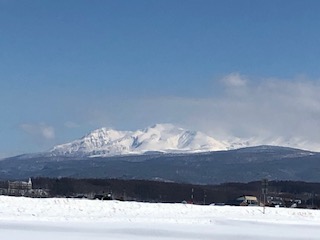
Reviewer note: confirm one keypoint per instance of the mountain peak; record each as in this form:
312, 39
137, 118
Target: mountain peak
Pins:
165, 138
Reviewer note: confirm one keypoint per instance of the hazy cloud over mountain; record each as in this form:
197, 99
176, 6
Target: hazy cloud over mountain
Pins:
39, 130
267, 109
270, 110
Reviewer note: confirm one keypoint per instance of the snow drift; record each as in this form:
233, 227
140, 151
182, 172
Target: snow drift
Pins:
78, 219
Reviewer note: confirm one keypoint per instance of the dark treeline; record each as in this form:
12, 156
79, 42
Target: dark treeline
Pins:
156, 191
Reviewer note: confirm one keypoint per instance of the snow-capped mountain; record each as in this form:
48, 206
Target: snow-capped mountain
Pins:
165, 138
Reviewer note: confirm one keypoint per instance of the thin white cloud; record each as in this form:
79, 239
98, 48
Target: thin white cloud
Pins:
234, 80
39, 130
70, 124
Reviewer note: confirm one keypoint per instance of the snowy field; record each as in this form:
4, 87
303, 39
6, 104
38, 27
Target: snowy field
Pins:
51, 219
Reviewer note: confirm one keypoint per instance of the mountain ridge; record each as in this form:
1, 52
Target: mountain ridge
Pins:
238, 165
165, 138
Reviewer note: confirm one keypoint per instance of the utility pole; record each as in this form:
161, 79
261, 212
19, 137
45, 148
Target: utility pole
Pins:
192, 191
264, 188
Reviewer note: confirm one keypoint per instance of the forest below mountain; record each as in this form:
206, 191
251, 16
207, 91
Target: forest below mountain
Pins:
156, 191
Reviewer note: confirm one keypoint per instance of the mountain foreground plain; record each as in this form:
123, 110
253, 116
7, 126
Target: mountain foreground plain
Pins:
61, 218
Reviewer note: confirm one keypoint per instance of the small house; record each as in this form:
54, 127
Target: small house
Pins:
248, 201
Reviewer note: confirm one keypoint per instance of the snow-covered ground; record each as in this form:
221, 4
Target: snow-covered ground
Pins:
57, 218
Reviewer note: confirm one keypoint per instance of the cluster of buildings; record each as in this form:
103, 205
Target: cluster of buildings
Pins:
270, 202
22, 188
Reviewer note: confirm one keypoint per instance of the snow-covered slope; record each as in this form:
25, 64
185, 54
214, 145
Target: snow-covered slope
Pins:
165, 138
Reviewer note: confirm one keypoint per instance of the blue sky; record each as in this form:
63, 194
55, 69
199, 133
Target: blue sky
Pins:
228, 68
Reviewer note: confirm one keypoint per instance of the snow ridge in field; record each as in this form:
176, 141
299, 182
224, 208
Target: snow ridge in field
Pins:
66, 209
79, 219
